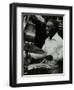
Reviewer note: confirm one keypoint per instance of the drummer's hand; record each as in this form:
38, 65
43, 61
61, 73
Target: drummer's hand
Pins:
40, 18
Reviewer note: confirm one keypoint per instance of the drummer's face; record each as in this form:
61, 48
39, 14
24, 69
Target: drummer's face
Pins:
49, 27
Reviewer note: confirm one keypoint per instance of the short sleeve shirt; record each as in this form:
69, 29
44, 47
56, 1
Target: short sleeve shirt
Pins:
54, 47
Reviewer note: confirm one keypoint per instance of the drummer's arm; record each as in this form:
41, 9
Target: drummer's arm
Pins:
37, 19
37, 56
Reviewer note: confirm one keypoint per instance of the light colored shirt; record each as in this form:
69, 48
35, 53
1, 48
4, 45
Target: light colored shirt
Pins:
54, 47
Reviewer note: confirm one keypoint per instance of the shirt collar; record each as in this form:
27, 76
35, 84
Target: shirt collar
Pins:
55, 37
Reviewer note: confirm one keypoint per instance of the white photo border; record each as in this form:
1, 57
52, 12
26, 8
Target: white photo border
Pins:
66, 27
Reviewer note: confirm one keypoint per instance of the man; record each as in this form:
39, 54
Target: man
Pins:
53, 46
53, 43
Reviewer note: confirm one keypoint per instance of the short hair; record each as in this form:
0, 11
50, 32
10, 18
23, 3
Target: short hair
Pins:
55, 24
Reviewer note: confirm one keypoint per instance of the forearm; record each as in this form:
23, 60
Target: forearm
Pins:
37, 56
37, 20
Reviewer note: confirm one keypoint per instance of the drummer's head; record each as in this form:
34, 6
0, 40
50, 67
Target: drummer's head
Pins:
51, 28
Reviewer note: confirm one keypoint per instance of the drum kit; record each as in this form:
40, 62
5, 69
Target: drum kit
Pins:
36, 53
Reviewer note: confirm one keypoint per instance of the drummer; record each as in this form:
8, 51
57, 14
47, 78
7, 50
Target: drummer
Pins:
53, 44
53, 47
